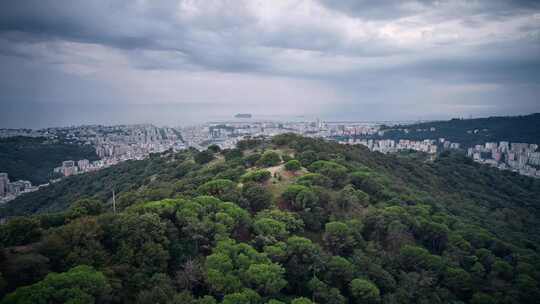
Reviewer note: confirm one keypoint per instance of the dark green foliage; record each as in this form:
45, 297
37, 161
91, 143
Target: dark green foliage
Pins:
81, 284
338, 238
19, 231
34, 159
293, 165
315, 179
258, 176
306, 158
493, 129
84, 207
223, 189
232, 267
363, 291
292, 191
204, 157
334, 171
214, 148
251, 160
361, 227
269, 159
256, 197
232, 154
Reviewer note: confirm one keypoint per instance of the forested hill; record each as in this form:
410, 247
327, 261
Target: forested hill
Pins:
291, 220
34, 159
469, 132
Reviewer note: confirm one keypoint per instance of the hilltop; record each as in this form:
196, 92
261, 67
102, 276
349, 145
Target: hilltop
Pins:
470, 132
287, 220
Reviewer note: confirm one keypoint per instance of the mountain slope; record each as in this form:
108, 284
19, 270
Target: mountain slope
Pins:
237, 226
34, 159
470, 132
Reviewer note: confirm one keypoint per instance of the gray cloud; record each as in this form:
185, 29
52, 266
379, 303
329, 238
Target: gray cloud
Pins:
313, 54
443, 9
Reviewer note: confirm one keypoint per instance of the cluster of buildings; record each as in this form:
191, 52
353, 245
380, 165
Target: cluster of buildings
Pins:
430, 146
10, 190
114, 144
392, 146
227, 134
70, 167
523, 158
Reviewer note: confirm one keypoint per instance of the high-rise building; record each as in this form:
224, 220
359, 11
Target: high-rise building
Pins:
83, 164
69, 168
4, 181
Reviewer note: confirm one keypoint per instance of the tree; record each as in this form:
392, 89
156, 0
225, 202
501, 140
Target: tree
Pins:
293, 165
267, 279
84, 207
232, 154
269, 159
233, 267
314, 179
413, 258
77, 243
457, 280
246, 296
338, 238
292, 191
339, 272
336, 172
20, 231
269, 230
24, 269
214, 148
258, 176
434, 235
303, 260
482, 298
322, 293
291, 220
367, 182
161, 290
503, 270
349, 197
363, 291
301, 301
251, 159
82, 284
306, 158
203, 157
256, 197
223, 189
305, 199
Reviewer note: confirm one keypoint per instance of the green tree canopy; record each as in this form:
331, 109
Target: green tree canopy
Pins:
82, 284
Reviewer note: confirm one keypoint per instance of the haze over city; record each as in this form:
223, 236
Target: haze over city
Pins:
179, 62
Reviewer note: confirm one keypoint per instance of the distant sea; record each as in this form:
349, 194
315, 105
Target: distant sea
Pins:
44, 115
39, 115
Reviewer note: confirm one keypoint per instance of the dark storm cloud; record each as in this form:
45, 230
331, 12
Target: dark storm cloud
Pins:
101, 22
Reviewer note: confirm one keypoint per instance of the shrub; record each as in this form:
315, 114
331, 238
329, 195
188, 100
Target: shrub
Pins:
293, 165
269, 159
258, 176
256, 197
364, 291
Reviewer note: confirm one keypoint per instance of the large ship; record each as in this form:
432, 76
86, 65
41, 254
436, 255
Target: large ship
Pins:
242, 115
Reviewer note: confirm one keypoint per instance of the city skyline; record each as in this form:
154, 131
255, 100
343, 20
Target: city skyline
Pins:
175, 62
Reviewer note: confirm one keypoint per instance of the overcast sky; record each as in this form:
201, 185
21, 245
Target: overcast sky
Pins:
125, 61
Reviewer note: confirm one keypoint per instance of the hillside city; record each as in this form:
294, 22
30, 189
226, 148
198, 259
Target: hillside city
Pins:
115, 144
